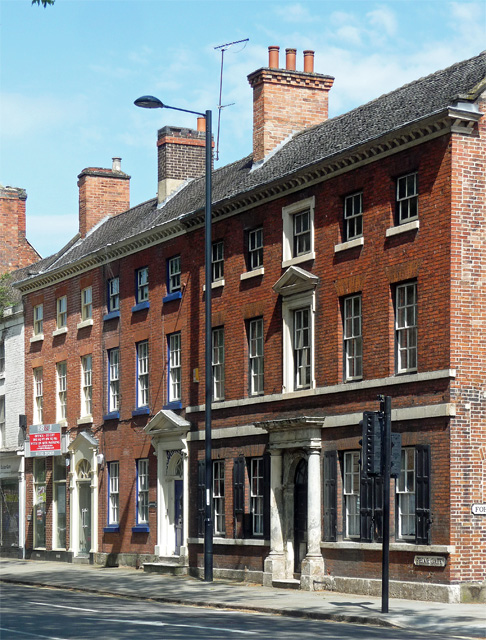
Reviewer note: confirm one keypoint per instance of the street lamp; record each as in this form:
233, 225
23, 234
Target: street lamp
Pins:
150, 102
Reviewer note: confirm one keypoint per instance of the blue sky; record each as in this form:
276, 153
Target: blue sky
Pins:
70, 74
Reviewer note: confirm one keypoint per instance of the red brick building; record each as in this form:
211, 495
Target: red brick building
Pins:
15, 250
348, 260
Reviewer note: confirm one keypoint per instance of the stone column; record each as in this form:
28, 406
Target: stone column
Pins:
275, 561
312, 568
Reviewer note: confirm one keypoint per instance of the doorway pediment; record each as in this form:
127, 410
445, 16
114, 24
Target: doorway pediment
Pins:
167, 424
295, 280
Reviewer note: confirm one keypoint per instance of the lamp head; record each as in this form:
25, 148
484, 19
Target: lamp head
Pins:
149, 102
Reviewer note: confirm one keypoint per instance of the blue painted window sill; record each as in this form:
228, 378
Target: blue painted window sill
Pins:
141, 528
173, 405
177, 295
113, 415
141, 305
111, 315
141, 411
112, 528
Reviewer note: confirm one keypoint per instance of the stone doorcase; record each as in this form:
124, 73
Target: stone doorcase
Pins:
290, 441
83, 485
169, 439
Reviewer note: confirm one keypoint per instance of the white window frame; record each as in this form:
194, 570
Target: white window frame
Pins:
256, 356
256, 495
406, 327
38, 376
174, 274
86, 303
2, 422
61, 383
405, 489
353, 337
39, 473
407, 198
218, 498
142, 285
288, 213
61, 312
353, 216
289, 305
217, 261
175, 367
2, 357
113, 379
86, 385
114, 493
114, 294
255, 249
142, 374
217, 351
302, 347
142, 491
38, 319
351, 490
59, 484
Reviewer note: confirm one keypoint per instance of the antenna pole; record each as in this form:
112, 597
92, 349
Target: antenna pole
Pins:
223, 48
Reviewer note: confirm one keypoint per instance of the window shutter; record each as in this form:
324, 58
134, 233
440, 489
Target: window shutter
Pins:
201, 496
422, 494
239, 484
330, 496
378, 508
366, 508
266, 496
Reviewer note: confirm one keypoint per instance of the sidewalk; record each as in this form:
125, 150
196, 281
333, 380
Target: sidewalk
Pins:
446, 620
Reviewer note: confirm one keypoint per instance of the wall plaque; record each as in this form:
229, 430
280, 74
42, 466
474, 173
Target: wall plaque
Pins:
429, 561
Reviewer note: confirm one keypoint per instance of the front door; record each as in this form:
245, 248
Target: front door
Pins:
300, 514
84, 493
178, 504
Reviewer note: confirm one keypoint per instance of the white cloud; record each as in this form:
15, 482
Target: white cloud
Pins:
22, 114
348, 35
383, 20
295, 13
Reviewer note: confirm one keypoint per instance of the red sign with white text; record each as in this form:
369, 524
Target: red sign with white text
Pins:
45, 438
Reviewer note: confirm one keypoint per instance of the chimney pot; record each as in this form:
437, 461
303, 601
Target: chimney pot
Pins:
285, 103
290, 59
273, 54
201, 123
116, 164
308, 61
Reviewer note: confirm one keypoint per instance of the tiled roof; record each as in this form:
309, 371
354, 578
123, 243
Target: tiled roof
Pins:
412, 102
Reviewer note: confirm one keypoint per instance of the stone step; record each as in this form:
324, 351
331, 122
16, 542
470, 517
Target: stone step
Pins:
290, 583
167, 566
81, 560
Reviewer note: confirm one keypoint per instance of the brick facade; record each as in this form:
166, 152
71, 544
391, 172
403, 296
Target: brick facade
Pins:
437, 401
15, 250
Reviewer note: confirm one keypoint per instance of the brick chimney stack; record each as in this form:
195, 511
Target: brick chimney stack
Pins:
15, 250
102, 193
181, 155
285, 100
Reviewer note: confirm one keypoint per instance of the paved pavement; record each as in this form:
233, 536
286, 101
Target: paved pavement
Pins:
445, 620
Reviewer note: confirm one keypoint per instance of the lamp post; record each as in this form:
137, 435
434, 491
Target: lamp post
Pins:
150, 102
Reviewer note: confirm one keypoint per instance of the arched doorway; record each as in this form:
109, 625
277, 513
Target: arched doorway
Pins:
300, 514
